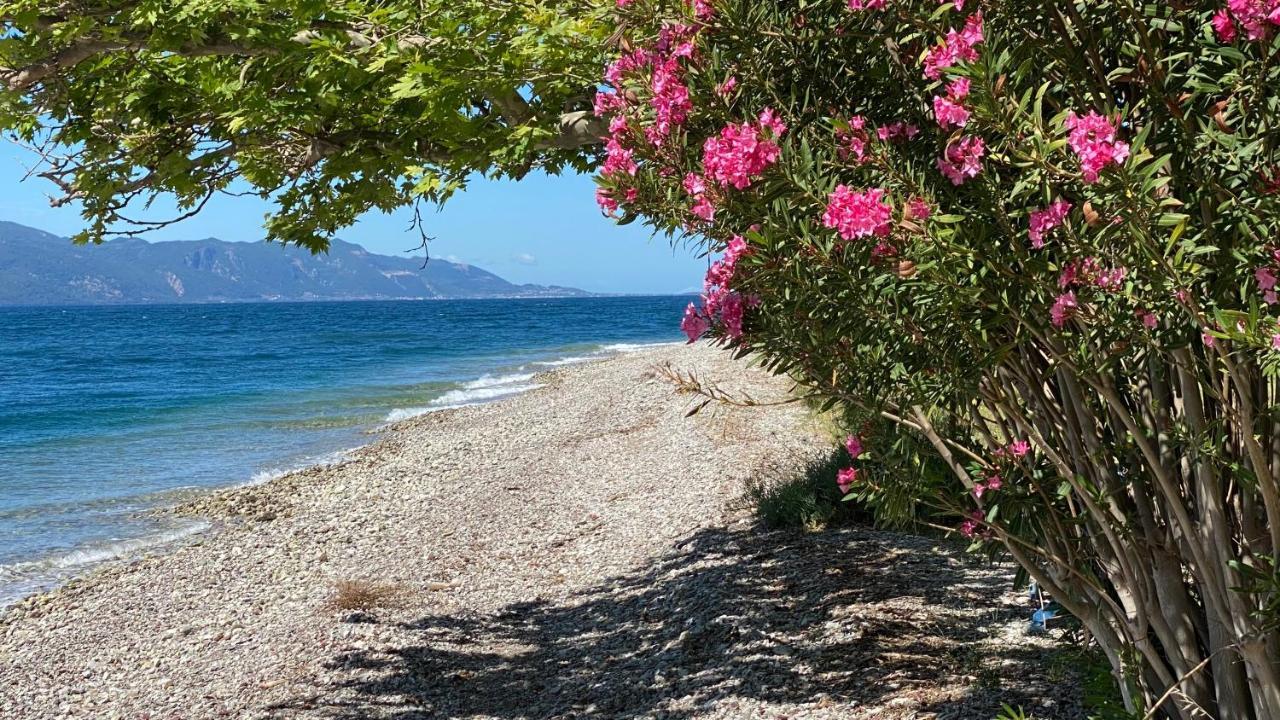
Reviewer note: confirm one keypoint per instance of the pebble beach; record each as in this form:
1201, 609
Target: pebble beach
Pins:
582, 550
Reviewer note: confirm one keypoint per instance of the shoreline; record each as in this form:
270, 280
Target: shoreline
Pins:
581, 550
51, 571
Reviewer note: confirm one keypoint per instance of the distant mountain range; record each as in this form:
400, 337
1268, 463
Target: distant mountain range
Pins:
38, 268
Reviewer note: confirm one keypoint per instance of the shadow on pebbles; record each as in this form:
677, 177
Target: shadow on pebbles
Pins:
575, 552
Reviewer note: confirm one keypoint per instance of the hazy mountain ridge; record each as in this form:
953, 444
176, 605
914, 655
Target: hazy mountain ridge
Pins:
39, 268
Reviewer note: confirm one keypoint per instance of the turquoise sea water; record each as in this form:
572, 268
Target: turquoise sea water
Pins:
106, 412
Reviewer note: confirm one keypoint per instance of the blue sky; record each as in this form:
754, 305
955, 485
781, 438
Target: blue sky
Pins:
542, 229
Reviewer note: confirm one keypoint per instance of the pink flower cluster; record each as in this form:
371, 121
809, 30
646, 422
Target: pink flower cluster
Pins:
1267, 278
1255, 16
972, 525
990, 483
1089, 271
718, 301
702, 206
671, 102
957, 47
846, 477
896, 132
858, 214
853, 142
1093, 138
743, 152
1064, 308
702, 9
1080, 273
1044, 221
949, 109
962, 160
866, 4
609, 204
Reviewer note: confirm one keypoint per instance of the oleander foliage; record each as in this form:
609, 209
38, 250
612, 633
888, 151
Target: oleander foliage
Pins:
1032, 244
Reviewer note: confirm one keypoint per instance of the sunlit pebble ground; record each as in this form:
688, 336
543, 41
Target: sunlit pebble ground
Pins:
580, 551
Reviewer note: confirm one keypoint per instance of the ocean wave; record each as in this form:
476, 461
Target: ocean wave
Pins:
470, 396
571, 360
636, 347
263, 477
23, 578
488, 381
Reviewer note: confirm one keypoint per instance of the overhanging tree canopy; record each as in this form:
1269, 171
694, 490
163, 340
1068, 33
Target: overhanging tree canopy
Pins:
330, 108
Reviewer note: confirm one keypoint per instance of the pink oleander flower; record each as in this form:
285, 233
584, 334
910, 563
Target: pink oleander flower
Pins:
1111, 279
897, 132
858, 214
1208, 339
854, 445
1269, 297
866, 4
994, 483
1148, 318
1255, 16
918, 209
720, 273
671, 103
607, 102
962, 159
694, 184
949, 112
731, 311
1266, 278
1224, 27
1275, 341
725, 88
742, 152
1043, 221
694, 324
771, 122
701, 9
608, 205
845, 479
958, 89
624, 3
956, 48
1019, 448
854, 141
627, 63
972, 524
703, 208
618, 159
1093, 138
1064, 308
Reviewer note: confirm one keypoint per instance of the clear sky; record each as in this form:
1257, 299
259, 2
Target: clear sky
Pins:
544, 230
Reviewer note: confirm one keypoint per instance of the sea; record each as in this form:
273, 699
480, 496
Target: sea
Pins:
110, 412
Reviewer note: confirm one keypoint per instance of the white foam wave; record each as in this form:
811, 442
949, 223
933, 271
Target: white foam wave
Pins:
635, 347
471, 393
263, 477
29, 576
470, 396
488, 381
571, 360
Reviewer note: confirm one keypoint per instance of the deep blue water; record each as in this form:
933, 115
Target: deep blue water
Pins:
108, 411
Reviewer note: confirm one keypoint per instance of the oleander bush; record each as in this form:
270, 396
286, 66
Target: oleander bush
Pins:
1029, 250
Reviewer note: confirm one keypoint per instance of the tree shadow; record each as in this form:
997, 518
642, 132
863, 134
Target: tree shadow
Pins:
850, 623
